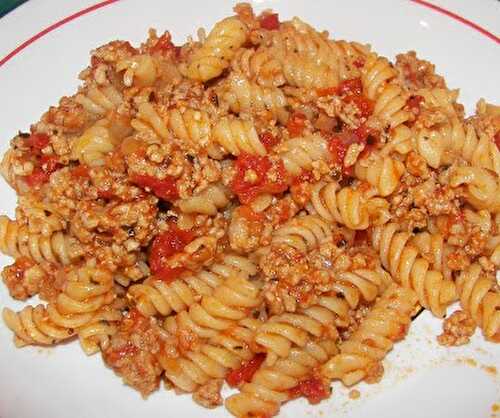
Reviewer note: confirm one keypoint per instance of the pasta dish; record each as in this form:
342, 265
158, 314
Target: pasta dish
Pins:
264, 207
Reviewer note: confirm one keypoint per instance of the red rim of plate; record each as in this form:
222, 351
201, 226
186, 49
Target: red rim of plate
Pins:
102, 4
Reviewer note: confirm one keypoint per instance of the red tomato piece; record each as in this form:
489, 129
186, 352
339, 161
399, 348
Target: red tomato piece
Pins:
37, 178
270, 21
338, 149
245, 372
80, 171
328, 91
313, 389
165, 245
168, 274
497, 140
296, 124
260, 167
105, 194
359, 62
38, 141
360, 238
248, 213
164, 44
414, 104
364, 104
49, 163
305, 176
165, 189
352, 86
269, 140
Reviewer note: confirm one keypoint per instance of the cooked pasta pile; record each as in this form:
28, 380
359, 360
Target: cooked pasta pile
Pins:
266, 207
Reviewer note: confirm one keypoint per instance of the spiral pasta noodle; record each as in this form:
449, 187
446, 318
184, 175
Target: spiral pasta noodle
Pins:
300, 153
270, 385
410, 270
386, 323
347, 206
16, 241
150, 122
478, 298
383, 172
303, 233
207, 202
191, 126
245, 96
260, 65
139, 70
433, 247
481, 185
219, 311
217, 51
81, 305
155, 296
213, 359
237, 136
389, 97
299, 71
283, 332
99, 100
92, 147
301, 38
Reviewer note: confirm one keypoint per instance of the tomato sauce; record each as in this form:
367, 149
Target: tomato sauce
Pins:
296, 124
314, 390
270, 21
164, 246
245, 372
261, 168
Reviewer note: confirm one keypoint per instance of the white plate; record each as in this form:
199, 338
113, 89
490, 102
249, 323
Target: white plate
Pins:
422, 378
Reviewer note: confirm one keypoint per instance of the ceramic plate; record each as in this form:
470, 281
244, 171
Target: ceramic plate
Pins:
422, 378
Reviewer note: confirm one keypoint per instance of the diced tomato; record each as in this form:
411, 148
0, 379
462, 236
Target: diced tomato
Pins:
362, 133
497, 139
360, 237
339, 143
36, 178
305, 176
49, 163
165, 189
38, 141
364, 104
245, 372
105, 194
414, 103
338, 148
352, 86
313, 389
164, 44
270, 21
165, 245
261, 168
283, 211
269, 140
296, 124
328, 91
359, 62
135, 315
80, 171
169, 274
248, 213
